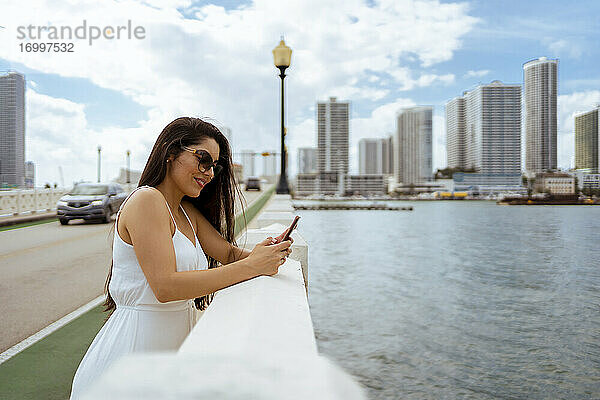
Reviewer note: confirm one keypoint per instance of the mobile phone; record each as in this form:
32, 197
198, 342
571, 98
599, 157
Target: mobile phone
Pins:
291, 228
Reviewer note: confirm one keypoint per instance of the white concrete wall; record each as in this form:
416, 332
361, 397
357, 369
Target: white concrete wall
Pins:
15, 202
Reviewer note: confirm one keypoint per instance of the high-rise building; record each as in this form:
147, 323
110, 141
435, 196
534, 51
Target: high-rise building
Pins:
388, 156
456, 147
540, 78
307, 160
413, 146
374, 156
12, 129
587, 140
29, 175
493, 129
333, 136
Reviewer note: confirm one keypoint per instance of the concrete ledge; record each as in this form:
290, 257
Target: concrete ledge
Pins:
268, 217
258, 376
267, 313
252, 237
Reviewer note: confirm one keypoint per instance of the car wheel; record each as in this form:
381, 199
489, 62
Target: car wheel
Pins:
63, 221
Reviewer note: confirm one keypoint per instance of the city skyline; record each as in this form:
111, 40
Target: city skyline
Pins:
104, 95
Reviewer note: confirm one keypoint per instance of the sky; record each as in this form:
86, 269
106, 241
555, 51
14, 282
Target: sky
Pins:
213, 60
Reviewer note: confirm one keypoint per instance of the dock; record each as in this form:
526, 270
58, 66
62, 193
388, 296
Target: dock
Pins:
331, 206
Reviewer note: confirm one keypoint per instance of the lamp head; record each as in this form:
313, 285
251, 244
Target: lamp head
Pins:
282, 55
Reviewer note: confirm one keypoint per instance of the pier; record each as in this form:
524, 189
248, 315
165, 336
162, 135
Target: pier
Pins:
342, 206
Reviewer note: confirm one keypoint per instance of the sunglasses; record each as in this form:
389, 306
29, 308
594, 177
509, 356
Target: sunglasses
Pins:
205, 161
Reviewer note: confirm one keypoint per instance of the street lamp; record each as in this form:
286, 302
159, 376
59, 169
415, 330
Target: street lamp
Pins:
99, 150
128, 177
282, 55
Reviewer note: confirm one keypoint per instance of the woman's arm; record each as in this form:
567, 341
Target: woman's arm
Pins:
236, 254
147, 223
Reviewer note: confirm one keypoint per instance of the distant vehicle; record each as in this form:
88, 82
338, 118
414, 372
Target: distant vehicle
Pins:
90, 201
253, 183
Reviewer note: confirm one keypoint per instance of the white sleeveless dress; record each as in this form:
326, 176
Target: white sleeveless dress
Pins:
140, 322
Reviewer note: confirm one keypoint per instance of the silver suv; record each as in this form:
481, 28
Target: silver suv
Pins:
90, 201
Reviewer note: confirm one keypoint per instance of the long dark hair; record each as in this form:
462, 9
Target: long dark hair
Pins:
216, 200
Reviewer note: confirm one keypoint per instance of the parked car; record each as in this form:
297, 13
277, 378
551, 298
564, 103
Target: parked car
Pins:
253, 183
90, 201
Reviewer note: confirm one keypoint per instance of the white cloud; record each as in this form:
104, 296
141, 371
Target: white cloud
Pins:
220, 65
477, 74
404, 77
562, 47
568, 106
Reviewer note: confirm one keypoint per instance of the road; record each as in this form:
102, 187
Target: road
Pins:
49, 270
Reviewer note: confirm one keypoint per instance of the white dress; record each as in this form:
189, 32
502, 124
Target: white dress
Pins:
140, 323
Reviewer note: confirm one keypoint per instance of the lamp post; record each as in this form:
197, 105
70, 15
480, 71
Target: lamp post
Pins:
128, 177
99, 151
282, 55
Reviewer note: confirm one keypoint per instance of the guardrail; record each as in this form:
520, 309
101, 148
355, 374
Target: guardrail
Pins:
18, 202
255, 340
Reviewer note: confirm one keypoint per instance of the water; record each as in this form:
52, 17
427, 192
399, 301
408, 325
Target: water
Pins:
459, 299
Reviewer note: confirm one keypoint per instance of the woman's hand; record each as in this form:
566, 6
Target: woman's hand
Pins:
279, 238
267, 256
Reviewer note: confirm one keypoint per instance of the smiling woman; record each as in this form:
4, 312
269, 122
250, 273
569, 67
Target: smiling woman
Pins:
170, 234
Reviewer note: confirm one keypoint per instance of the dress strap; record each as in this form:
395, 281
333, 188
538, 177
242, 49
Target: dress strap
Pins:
192, 225
169, 208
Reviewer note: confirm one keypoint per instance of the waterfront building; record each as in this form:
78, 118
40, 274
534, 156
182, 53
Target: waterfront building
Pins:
555, 183
374, 156
366, 184
489, 121
29, 175
333, 135
540, 78
488, 184
12, 129
334, 184
456, 134
413, 146
307, 160
333, 140
493, 120
587, 135
591, 181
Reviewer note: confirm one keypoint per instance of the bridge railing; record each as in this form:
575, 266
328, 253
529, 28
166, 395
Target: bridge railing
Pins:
255, 340
30, 201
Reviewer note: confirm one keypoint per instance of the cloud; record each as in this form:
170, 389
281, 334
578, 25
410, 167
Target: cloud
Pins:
562, 47
568, 106
476, 74
57, 134
219, 64
404, 77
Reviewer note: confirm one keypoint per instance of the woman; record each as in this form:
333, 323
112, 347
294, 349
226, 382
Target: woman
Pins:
170, 234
